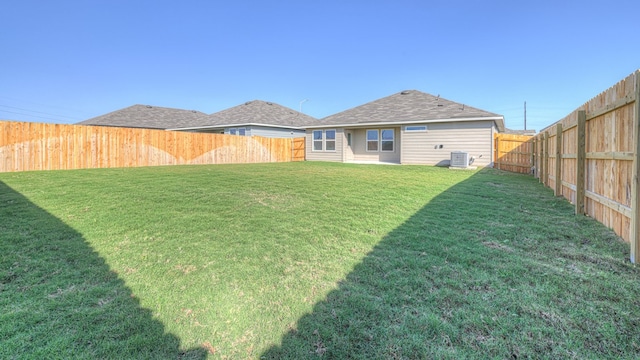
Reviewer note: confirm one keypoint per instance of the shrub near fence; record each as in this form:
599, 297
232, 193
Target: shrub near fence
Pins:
33, 146
590, 158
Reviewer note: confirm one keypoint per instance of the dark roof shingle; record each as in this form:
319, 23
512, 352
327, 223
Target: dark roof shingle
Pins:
405, 106
150, 117
257, 112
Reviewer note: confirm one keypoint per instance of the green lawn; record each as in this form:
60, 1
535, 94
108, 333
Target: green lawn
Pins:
307, 260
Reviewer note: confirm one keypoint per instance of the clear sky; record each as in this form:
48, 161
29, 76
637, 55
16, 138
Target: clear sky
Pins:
65, 61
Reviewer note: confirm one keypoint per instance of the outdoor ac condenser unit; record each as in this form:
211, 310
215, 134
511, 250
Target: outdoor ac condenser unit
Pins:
459, 159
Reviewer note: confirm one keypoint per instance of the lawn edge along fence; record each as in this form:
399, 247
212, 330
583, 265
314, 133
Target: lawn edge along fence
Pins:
28, 146
590, 157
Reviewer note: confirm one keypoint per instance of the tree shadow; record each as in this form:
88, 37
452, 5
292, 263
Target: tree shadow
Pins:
460, 279
59, 298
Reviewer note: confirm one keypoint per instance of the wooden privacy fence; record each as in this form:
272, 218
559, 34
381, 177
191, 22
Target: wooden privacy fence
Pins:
297, 150
513, 153
33, 146
591, 158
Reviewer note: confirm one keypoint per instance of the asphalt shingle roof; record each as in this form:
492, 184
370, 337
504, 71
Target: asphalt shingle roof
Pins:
402, 107
258, 112
405, 106
150, 117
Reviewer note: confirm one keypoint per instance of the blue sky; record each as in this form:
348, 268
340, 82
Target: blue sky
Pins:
66, 61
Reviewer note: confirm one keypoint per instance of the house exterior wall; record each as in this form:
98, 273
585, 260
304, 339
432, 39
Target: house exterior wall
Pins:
206, 131
263, 131
324, 155
247, 130
359, 146
474, 137
272, 132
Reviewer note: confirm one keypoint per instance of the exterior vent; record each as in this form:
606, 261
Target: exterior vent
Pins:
459, 159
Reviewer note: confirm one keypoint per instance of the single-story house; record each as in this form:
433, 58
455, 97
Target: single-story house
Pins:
147, 117
409, 127
257, 117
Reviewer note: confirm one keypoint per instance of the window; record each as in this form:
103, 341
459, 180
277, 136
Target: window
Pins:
349, 139
330, 140
372, 140
387, 140
317, 140
324, 140
238, 131
416, 128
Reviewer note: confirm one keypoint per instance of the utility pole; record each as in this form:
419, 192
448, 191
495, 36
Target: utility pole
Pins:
525, 115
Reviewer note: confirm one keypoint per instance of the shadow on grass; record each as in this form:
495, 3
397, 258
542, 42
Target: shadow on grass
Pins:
59, 299
494, 267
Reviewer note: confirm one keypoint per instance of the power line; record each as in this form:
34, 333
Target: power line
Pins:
45, 105
40, 112
40, 117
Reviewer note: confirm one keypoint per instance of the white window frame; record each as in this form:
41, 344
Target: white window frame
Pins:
417, 128
376, 141
324, 141
327, 140
233, 131
393, 140
314, 140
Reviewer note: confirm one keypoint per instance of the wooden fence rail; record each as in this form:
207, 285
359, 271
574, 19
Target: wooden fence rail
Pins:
591, 158
33, 146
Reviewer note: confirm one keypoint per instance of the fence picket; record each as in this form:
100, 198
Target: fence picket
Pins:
31, 146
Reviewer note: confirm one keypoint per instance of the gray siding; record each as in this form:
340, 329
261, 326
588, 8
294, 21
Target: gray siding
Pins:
264, 131
206, 131
476, 138
336, 155
272, 132
227, 131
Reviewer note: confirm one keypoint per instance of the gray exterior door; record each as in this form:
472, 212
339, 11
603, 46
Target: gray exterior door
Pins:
348, 149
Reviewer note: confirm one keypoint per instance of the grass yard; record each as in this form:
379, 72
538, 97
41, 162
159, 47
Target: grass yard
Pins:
307, 260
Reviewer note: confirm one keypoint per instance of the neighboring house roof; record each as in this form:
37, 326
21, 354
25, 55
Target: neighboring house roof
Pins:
256, 113
146, 116
410, 106
520, 132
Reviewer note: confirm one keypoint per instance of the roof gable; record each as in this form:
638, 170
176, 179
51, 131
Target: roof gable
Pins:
146, 116
406, 106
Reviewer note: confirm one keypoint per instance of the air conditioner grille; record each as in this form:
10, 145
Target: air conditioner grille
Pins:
459, 159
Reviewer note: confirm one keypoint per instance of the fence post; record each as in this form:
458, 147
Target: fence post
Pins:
558, 189
634, 233
581, 162
532, 144
540, 160
498, 152
538, 157
545, 181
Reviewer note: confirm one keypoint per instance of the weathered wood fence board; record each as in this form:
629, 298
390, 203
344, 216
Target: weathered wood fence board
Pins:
33, 146
591, 158
298, 153
513, 153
